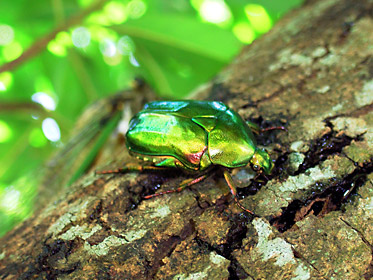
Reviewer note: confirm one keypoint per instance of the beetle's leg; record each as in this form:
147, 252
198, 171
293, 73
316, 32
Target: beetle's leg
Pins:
232, 187
273, 128
131, 167
258, 174
183, 185
257, 130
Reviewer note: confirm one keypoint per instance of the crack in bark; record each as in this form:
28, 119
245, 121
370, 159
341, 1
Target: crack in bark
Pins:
369, 272
330, 199
166, 247
234, 241
275, 94
358, 231
347, 26
300, 256
234, 269
235, 237
358, 112
329, 144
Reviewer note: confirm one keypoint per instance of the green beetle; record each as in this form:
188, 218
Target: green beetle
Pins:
194, 136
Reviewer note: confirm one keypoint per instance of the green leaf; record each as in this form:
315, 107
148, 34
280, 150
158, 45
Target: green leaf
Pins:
178, 52
185, 33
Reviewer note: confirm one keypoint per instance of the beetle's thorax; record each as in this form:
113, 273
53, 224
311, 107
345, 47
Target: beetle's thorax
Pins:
231, 142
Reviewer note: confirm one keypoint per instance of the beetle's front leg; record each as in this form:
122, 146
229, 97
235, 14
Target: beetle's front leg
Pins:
183, 185
233, 189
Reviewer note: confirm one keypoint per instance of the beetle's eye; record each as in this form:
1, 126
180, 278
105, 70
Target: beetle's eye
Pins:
256, 167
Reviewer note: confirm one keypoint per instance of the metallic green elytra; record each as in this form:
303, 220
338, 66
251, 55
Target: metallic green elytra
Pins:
194, 135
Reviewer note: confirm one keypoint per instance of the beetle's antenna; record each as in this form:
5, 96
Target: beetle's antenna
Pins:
257, 129
232, 187
274, 128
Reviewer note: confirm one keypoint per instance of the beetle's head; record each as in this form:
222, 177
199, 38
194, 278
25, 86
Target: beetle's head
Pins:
261, 161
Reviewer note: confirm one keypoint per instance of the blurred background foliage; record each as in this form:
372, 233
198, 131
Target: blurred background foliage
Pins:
58, 56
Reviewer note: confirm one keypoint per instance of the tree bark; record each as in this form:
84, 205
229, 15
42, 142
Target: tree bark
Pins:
313, 73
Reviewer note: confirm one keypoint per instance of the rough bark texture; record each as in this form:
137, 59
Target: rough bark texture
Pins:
314, 73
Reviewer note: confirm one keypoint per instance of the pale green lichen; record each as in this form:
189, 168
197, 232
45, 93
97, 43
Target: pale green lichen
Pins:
319, 52
217, 259
263, 228
152, 213
288, 58
272, 248
62, 222
299, 59
313, 127
192, 276
337, 107
105, 246
295, 160
365, 97
366, 205
330, 60
161, 212
301, 273
323, 89
351, 126
133, 230
369, 136
135, 234
278, 249
299, 146
83, 232
2, 255
304, 181
75, 212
